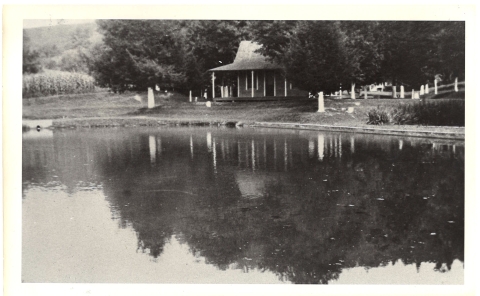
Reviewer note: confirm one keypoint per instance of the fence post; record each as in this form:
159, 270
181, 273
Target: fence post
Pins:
413, 94
394, 91
151, 99
321, 106
190, 97
352, 94
402, 92
422, 90
436, 88
426, 89
456, 84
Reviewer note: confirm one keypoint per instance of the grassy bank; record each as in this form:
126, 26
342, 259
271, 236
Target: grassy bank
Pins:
116, 106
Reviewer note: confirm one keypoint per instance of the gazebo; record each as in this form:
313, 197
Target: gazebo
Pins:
251, 76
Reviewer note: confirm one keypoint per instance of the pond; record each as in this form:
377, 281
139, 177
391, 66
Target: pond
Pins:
226, 205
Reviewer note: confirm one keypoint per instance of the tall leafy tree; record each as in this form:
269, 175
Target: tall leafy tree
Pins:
140, 52
315, 58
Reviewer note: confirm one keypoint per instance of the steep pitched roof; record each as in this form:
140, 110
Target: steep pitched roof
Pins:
248, 59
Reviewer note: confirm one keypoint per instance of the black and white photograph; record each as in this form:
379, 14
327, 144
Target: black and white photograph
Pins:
239, 149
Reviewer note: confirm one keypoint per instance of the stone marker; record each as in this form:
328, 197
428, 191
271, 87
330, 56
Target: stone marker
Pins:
413, 94
190, 97
402, 92
195, 99
426, 88
137, 98
422, 90
208, 104
151, 99
436, 88
417, 95
157, 88
321, 105
365, 93
353, 91
394, 91
350, 109
456, 84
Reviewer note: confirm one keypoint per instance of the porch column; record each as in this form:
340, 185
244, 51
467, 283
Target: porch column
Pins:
264, 83
253, 85
274, 84
285, 86
222, 89
213, 85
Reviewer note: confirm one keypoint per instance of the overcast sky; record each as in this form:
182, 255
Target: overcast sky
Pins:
52, 22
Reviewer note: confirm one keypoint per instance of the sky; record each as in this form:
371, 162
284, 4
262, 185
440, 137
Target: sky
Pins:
53, 22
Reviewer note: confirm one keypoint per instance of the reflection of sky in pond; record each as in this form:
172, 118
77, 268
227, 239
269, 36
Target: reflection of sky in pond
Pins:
241, 206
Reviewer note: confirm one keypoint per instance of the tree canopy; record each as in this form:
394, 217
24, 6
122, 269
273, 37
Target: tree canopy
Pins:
315, 55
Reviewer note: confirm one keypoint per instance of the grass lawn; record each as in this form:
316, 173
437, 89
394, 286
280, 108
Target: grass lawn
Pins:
177, 107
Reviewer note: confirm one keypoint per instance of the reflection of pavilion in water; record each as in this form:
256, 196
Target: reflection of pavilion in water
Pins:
148, 172
258, 152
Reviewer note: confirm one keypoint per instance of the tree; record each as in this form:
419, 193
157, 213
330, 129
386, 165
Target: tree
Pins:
363, 52
315, 58
31, 63
139, 52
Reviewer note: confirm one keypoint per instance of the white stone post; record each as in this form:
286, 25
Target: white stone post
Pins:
456, 84
190, 97
413, 94
394, 91
238, 85
436, 87
321, 106
426, 89
422, 90
402, 92
213, 85
352, 94
365, 93
151, 98
285, 86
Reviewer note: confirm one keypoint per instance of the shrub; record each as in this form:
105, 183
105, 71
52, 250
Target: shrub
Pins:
378, 116
439, 113
56, 83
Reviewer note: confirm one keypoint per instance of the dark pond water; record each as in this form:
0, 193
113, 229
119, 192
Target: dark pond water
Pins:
198, 205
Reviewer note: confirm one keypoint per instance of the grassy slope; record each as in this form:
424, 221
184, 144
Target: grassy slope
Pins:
103, 104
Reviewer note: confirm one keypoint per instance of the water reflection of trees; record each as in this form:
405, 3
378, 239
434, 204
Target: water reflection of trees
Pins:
313, 204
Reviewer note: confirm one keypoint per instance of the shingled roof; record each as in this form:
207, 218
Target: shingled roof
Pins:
248, 59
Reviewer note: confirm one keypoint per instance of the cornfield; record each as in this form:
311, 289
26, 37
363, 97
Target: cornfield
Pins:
56, 83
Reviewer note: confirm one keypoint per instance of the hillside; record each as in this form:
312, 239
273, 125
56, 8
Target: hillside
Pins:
62, 36
63, 47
